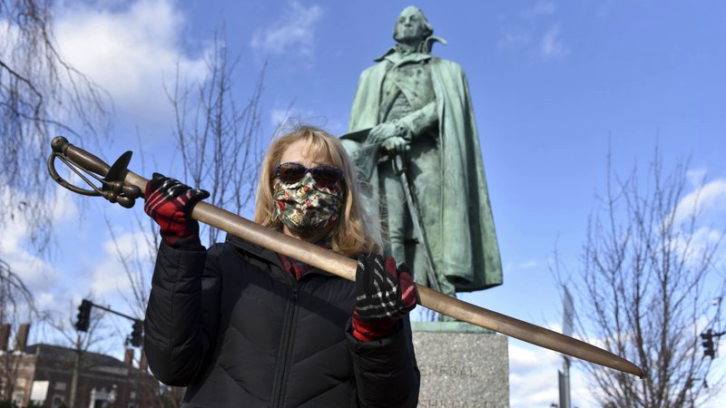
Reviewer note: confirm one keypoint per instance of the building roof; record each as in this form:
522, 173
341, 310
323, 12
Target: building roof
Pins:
60, 354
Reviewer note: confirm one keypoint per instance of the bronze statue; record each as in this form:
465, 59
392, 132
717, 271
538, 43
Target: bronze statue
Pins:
413, 137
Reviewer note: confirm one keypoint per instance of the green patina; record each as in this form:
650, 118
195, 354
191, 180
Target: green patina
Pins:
418, 106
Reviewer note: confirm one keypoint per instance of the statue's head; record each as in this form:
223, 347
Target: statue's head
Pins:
412, 26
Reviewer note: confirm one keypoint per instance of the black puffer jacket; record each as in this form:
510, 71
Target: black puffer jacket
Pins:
236, 329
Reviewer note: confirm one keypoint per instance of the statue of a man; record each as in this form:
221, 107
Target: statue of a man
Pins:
419, 113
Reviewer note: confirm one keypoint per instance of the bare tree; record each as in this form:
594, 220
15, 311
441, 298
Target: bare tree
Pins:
15, 300
80, 342
15, 297
218, 141
644, 289
9, 366
219, 145
40, 95
221, 153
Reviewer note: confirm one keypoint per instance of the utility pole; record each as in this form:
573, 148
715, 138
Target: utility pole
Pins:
564, 382
76, 366
563, 376
138, 381
82, 324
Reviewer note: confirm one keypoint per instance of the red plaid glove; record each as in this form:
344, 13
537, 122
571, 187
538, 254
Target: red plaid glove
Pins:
170, 203
384, 295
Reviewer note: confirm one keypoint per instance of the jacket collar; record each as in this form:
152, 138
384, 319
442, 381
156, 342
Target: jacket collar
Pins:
254, 250
265, 254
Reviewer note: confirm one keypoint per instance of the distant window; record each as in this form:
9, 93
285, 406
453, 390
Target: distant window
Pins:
21, 382
60, 386
132, 395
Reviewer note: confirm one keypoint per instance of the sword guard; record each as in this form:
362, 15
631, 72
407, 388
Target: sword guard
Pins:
112, 186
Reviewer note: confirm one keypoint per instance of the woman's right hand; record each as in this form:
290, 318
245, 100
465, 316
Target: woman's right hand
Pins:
169, 202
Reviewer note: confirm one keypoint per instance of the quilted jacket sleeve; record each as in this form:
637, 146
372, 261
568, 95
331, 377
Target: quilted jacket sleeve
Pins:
386, 371
182, 316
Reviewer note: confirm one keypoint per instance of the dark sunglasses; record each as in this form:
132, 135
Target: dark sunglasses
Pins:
324, 174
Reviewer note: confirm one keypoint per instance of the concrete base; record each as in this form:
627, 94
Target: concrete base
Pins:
468, 368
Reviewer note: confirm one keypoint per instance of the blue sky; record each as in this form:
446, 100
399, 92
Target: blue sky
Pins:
555, 85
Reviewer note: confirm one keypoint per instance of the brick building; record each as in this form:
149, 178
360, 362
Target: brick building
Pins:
43, 374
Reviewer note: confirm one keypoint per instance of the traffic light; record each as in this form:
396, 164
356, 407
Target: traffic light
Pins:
137, 333
84, 315
707, 342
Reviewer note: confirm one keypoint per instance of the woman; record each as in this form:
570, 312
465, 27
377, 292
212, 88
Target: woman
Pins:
243, 326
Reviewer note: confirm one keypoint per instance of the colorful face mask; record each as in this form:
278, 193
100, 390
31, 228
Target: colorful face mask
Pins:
305, 205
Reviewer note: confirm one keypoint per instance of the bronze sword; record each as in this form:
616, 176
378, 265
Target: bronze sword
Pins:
125, 186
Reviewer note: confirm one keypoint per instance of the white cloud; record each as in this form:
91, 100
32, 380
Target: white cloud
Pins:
513, 39
696, 177
520, 266
46, 301
36, 273
551, 45
695, 248
524, 34
292, 34
707, 201
532, 375
290, 115
525, 358
129, 51
109, 277
541, 8
604, 8
280, 117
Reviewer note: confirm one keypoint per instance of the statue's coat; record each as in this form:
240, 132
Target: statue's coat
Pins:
470, 253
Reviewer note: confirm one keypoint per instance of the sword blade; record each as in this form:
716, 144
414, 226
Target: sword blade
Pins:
524, 331
345, 267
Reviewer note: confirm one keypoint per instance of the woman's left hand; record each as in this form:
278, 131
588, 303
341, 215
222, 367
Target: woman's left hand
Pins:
384, 292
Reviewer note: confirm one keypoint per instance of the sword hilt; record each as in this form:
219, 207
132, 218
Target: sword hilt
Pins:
80, 161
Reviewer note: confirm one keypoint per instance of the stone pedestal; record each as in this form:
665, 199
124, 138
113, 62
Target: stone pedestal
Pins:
462, 366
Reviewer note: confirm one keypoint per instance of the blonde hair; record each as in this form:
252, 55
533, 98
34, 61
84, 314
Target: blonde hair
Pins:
350, 235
